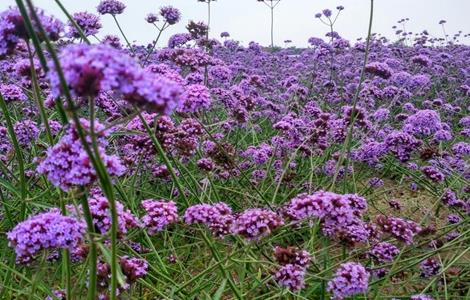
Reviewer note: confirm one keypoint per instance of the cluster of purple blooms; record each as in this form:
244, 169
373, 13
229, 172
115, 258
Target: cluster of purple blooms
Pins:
49, 230
101, 216
170, 14
350, 279
93, 69
403, 118
67, 163
112, 7
159, 214
384, 252
255, 223
195, 98
26, 132
252, 224
430, 267
12, 93
88, 23
13, 29
133, 269
340, 215
217, 217
401, 229
294, 263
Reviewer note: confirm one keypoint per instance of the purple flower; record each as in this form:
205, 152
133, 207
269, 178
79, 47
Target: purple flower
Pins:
112, 41
292, 255
112, 7
133, 268
376, 182
101, 215
89, 23
379, 69
423, 122
433, 173
430, 267
401, 144
11, 92
13, 29
218, 217
206, 164
178, 40
422, 60
255, 223
421, 297
58, 295
401, 229
196, 97
155, 93
327, 13
384, 252
305, 206
159, 214
90, 69
449, 198
442, 135
67, 164
453, 219
49, 230
170, 14
26, 132
291, 276
350, 279
461, 149
151, 18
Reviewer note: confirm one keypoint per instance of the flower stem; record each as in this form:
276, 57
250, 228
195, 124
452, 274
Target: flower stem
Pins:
345, 153
18, 154
93, 253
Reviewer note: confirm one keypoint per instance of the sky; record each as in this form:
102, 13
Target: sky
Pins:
249, 20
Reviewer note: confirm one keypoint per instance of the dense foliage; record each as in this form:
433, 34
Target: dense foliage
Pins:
209, 170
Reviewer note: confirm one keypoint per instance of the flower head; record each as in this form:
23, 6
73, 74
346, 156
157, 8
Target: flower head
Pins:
89, 24
350, 279
159, 214
112, 7
49, 230
291, 276
170, 14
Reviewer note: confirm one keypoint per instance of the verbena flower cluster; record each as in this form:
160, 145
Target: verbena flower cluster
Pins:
217, 150
67, 163
294, 264
350, 279
159, 214
49, 230
101, 216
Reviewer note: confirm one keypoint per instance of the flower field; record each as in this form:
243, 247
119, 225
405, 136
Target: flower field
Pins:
201, 168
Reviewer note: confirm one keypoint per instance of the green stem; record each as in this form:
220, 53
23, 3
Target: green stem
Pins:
38, 98
98, 165
66, 258
18, 154
347, 142
164, 157
73, 22
93, 279
154, 44
123, 35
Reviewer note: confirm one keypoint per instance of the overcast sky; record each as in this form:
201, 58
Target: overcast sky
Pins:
249, 20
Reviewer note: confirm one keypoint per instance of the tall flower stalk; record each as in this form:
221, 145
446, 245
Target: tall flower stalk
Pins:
271, 4
345, 153
95, 159
208, 2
